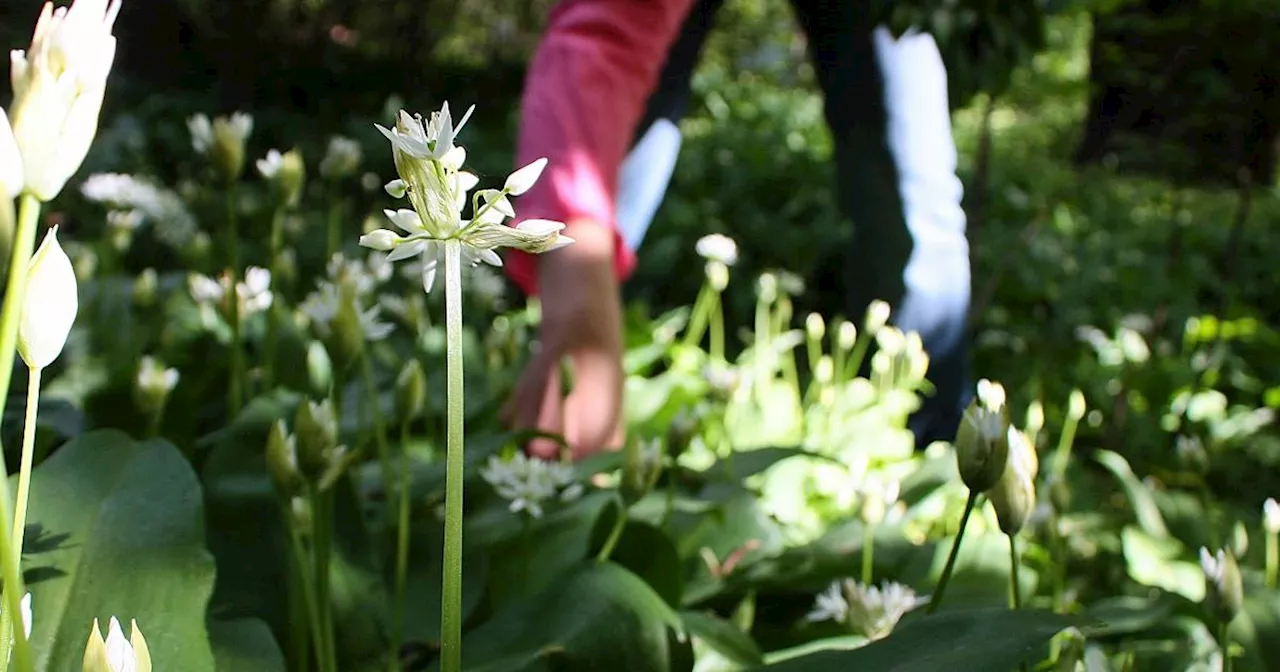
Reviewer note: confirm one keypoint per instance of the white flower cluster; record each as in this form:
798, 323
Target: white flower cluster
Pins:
253, 293
529, 483
322, 305
144, 200
869, 610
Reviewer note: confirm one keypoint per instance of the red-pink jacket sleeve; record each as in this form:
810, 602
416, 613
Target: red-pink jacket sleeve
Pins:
586, 90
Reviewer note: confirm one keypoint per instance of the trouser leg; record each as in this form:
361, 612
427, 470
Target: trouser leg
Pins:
886, 104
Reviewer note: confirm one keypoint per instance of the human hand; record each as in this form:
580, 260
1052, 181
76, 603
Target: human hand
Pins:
581, 321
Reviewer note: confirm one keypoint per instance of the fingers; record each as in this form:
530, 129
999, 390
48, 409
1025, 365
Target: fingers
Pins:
538, 404
592, 413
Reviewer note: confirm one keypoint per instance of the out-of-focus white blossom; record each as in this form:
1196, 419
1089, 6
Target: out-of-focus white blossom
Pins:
341, 159
253, 293
867, 610
174, 224
50, 305
718, 247
529, 483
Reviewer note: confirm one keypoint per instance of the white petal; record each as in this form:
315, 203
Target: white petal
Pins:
489, 257
407, 250
540, 227
120, 656
428, 277
381, 240
10, 159
522, 180
406, 220
396, 188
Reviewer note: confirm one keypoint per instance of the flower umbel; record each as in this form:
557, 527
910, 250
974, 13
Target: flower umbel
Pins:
868, 610
530, 483
431, 176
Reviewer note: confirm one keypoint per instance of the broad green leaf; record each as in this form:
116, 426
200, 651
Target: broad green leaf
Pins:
723, 636
1128, 614
134, 519
970, 640
646, 551
244, 644
1144, 505
599, 616
1156, 562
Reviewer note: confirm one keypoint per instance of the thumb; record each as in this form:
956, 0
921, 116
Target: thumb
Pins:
593, 411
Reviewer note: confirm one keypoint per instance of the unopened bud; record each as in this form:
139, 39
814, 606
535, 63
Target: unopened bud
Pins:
411, 391
282, 461
1271, 516
1223, 586
846, 335
640, 470
300, 517
144, 288
341, 159
1014, 494
877, 316
227, 151
153, 385
1076, 405
982, 445
346, 344
316, 428
287, 173
319, 369
767, 287
49, 306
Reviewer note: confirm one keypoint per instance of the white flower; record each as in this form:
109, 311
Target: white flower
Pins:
201, 130
117, 654
1271, 516
718, 247
10, 159
174, 224
528, 484
154, 377
254, 292
830, 605
270, 166
50, 305
204, 289
58, 85
341, 159
873, 611
431, 175
322, 306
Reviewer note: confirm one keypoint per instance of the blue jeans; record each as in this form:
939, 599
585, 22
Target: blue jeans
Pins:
886, 105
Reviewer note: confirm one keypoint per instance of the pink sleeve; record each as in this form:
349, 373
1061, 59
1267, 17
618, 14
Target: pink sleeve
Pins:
586, 90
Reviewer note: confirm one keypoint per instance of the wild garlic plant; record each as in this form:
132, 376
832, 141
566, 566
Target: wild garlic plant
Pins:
429, 165
58, 86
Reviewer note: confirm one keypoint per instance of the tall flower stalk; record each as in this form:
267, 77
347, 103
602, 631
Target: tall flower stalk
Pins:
430, 168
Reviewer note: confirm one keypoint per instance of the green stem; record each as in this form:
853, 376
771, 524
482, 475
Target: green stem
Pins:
955, 551
273, 318
698, 317
1015, 585
868, 552
717, 330
235, 392
402, 544
615, 534
335, 227
306, 578
10, 316
1273, 559
1224, 641
28, 458
379, 426
451, 603
1064, 446
859, 352
322, 515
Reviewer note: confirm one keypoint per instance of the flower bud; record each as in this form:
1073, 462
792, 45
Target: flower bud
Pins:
144, 288
1076, 405
982, 442
287, 173
50, 305
319, 369
1271, 516
642, 465
1223, 586
316, 428
153, 385
282, 460
346, 338
1014, 494
846, 335
411, 391
227, 150
717, 247
116, 654
300, 517
341, 159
